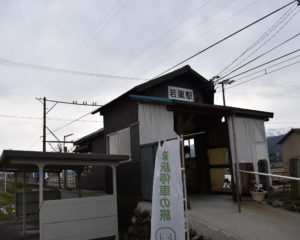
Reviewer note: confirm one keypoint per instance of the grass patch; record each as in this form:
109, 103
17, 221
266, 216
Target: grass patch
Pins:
283, 200
7, 208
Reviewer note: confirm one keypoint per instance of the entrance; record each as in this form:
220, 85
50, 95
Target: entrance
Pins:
220, 176
207, 157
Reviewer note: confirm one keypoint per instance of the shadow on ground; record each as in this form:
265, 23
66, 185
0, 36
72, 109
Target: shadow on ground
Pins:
10, 230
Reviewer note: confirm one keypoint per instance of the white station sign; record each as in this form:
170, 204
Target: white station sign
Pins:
182, 94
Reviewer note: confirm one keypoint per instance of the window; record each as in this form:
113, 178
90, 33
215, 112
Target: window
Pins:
189, 148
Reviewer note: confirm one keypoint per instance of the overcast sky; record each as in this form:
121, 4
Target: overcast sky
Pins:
140, 39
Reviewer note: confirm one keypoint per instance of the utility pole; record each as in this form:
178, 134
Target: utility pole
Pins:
66, 171
44, 124
223, 93
64, 142
226, 81
44, 101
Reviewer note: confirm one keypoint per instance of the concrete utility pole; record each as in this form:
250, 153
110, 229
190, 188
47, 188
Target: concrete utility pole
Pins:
227, 81
44, 101
223, 93
44, 124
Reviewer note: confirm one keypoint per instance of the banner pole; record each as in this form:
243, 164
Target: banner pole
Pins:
184, 189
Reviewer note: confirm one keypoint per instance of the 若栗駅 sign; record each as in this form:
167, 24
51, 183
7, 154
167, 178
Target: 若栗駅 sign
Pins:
182, 94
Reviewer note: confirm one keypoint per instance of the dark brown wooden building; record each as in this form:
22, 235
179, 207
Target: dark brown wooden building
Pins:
180, 102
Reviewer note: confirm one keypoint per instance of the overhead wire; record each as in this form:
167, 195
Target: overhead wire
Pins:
261, 55
61, 70
202, 35
162, 36
39, 118
263, 64
34, 143
73, 121
160, 50
266, 73
264, 69
261, 38
94, 87
225, 38
92, 35
219, 25
220, 79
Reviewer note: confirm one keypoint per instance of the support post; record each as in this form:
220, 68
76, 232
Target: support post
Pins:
44, 124
236, 173
5, 176
24, 204
185, 199
15, 192
15, 185
41, 192
114, 175
223, 92
58, 179
78, 175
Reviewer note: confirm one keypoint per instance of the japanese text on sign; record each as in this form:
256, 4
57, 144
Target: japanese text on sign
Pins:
164, 179
182, 94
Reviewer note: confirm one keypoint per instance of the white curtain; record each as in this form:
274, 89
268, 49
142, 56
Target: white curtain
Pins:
251, 142
155, 123
119, 142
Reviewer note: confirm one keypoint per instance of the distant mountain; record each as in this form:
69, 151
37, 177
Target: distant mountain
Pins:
272, 132
274, 135
273, 147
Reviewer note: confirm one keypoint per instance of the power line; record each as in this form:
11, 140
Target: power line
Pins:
260, 39
263, 64
179, 37
265, 41
266, 73
75, 120
265, 69
272, 49
225, 38
91, 36
62, 70
39, 118
202, 35
35, 143
94, 104
94, 87
163, 35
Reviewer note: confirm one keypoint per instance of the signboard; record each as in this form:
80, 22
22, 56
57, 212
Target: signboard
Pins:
182, 94
167, 218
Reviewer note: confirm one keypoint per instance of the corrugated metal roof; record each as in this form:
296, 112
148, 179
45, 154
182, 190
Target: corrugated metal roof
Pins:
74, 159
206, 109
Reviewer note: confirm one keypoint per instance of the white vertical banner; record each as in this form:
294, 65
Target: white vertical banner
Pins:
167, 218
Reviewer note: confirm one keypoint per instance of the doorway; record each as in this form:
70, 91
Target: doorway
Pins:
220, 174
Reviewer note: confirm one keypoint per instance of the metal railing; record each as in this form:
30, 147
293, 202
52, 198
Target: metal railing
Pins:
261, 174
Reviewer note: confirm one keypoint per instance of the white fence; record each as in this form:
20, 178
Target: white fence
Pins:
79, 218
